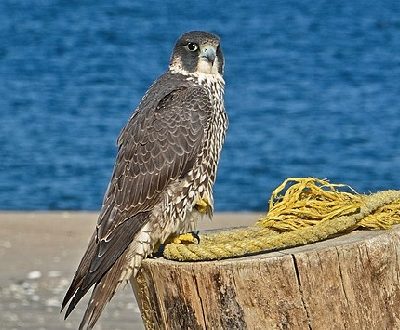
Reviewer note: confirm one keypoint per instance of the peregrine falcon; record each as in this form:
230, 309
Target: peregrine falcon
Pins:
164, 172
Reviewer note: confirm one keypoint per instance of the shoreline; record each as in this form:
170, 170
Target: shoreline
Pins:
39, 253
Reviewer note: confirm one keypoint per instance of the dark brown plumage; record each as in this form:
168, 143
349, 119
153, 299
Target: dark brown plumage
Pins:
153, 190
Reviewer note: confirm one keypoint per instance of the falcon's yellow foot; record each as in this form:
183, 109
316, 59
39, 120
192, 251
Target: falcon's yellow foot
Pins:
186, 238
203, 205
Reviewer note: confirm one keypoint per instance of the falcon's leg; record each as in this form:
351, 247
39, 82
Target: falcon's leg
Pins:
185, 238
203, 205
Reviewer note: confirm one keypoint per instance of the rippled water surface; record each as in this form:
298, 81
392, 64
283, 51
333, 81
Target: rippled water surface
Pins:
312, 89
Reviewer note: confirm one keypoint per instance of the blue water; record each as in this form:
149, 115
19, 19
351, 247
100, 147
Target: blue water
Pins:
312, 89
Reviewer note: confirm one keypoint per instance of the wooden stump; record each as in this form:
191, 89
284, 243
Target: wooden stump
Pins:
350, 282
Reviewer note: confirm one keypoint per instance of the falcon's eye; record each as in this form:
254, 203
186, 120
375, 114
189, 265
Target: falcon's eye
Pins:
192, 46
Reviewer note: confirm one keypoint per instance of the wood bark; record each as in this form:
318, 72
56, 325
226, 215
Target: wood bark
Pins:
349, 282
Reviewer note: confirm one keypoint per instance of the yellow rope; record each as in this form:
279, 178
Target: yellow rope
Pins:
301, 211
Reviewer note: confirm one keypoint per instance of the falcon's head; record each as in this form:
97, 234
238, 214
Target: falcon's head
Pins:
197, 52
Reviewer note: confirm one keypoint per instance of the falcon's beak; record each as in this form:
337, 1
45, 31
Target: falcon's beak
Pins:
208, 53
208, 60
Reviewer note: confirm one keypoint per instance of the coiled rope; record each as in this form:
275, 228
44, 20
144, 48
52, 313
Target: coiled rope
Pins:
301, 211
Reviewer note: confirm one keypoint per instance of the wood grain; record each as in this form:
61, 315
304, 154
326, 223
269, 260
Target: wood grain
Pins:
350, 282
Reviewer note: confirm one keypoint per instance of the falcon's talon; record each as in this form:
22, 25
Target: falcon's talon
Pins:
196, 236
186, 238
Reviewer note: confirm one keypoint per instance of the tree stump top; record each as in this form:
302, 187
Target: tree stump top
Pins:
347, 282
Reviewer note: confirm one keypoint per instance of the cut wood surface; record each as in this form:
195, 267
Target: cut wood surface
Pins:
349, 282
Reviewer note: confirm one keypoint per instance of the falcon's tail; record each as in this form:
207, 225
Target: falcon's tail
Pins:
103, 292
105, 264
79, 278
127, 265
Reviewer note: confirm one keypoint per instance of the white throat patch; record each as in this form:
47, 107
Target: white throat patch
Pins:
205, 66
